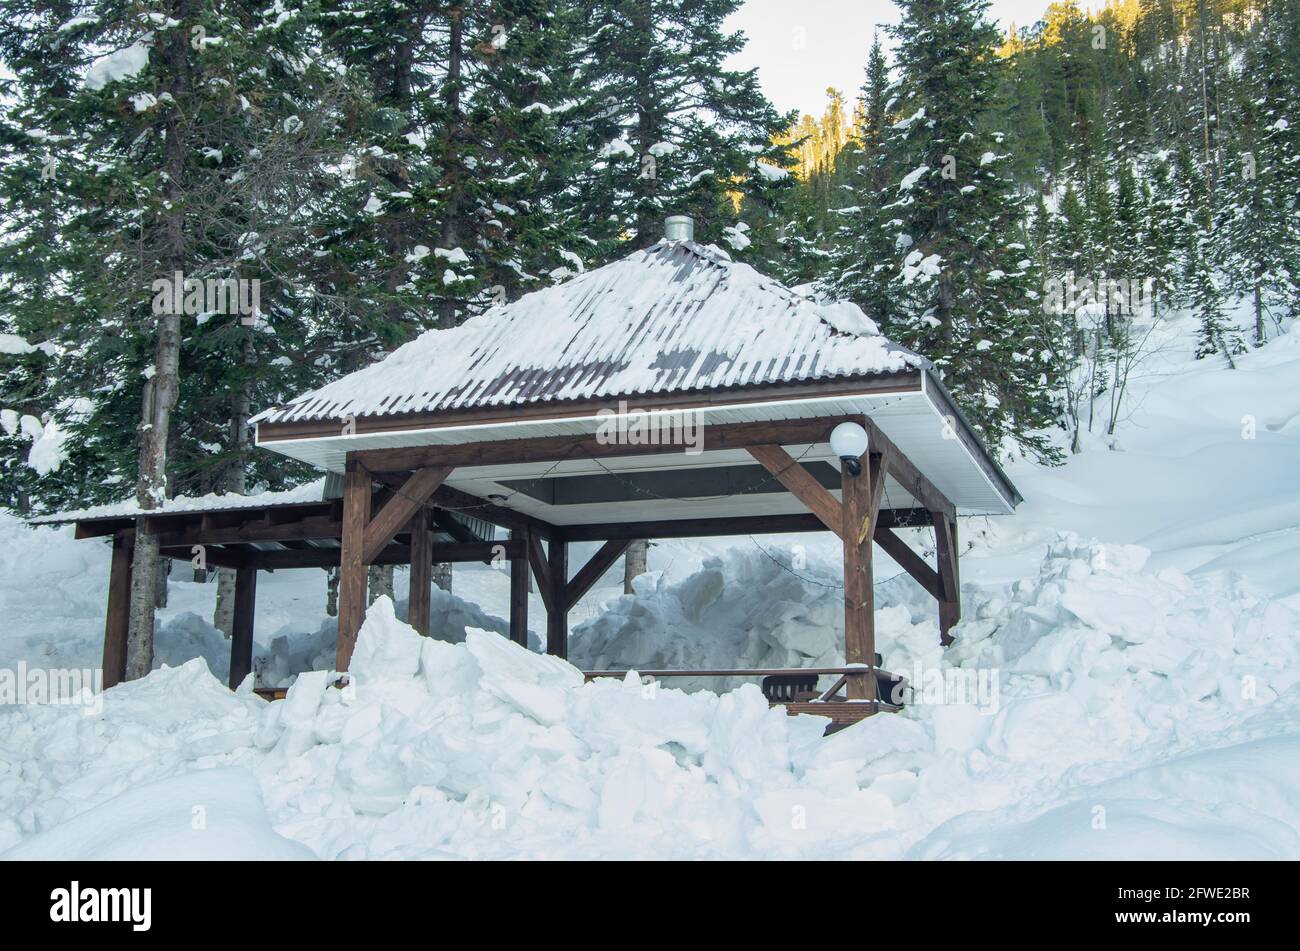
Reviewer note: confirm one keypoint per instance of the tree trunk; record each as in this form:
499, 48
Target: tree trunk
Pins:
449, 233
332, 592
223, 617
151, 490
160, 391
235, 482
164, 572
442, 577
381, 582
634, 562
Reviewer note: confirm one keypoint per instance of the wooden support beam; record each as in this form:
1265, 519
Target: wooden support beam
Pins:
118, 618
212, 555
787, 470
419, 593
397, 511
593, 570
945, 540
313, 527
726, 525
859, 596
542, 570
241, 631
100, 527
909, 561
394, 554
905, 473
519, 596
554, 448
557, 617
456, 500
352, 566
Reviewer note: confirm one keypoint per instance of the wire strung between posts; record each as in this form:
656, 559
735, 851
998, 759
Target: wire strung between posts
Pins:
822, 584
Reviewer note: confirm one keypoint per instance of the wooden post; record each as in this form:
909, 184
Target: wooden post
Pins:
418, 596
945, 543
352, 567
859, 596
519, 592
241, 632
118, 619
557, 615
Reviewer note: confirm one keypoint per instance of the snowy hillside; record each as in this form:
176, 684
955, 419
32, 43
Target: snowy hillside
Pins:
1129, 656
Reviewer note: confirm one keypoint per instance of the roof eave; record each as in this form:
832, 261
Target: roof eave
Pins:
947, 406
269, 432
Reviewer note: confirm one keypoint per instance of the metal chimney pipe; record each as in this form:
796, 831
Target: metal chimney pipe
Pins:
679, 228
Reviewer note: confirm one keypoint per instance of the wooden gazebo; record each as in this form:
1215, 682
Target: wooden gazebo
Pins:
673, 393
670, 394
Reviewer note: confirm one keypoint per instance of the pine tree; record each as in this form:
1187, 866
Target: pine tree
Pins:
860, 257
671, 130
1258, 227
190, 145
963, 280
1216, 334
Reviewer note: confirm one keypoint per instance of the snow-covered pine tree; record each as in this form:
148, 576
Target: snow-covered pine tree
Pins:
1160, 231
1258, 225
862, 251
188, 144
1216, 333
964, 283
671, 130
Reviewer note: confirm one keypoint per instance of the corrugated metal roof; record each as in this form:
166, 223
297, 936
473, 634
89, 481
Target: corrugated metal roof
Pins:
677, 317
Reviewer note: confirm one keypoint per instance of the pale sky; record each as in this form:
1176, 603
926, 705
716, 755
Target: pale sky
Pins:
802, 46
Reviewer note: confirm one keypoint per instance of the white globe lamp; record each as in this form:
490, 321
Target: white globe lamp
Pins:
849, 442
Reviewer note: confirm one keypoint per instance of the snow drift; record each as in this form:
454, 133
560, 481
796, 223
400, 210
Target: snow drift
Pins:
483, 749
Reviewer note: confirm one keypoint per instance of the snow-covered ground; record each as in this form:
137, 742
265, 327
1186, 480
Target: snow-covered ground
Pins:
1124, 684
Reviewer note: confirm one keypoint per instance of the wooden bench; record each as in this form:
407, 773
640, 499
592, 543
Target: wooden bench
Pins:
795, 689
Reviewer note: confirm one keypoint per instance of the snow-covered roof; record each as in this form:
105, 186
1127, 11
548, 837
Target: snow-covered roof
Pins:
309, 492
677, 317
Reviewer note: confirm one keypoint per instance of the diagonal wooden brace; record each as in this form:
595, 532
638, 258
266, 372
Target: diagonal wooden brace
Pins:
397, 512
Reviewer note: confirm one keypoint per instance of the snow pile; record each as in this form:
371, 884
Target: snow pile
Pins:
1112, 656
745, 608
291, 652
1108, 677
479, 749
213, 814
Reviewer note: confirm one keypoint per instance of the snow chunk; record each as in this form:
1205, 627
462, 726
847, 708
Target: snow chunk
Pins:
120, 64
771, 172
615, 148
912, 177
847, 317
48, 450
14, 344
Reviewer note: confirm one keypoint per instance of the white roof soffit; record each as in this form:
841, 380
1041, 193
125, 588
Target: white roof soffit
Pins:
920, 422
